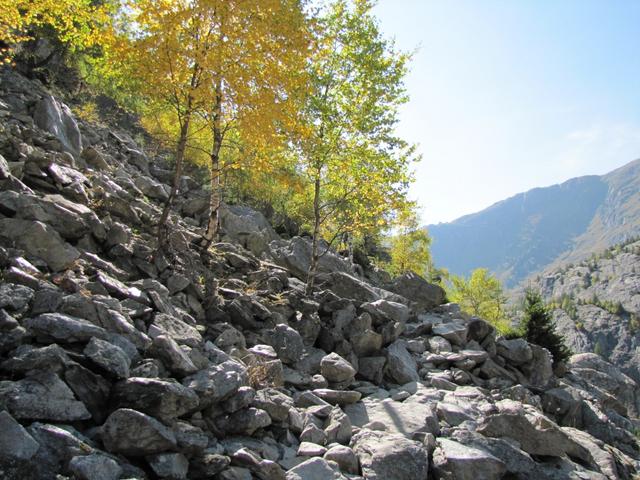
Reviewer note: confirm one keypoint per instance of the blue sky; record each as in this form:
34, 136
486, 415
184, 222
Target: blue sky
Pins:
508, 95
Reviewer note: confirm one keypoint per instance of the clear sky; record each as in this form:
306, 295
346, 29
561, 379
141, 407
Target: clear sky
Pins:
507, 95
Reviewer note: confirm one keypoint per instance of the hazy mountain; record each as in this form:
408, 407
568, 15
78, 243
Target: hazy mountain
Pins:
544, 226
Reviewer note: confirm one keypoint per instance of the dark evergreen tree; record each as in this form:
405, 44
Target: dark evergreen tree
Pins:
539, 327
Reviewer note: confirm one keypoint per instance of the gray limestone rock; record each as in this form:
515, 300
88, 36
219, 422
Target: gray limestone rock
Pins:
133, 433
385, 456
42, 396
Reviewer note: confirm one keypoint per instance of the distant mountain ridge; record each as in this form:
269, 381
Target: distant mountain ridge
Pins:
531, 231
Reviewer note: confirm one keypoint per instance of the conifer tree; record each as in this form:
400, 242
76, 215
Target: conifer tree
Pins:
539, 328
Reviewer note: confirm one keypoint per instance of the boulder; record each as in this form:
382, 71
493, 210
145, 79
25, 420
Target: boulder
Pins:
414, 415
95, 466
133, 433
287, 343
15, 442
164, 399
344, 457
295, 256
314, 469
390, 457
56, 118
217, 382
169, 465
536, 434
109, 357
247, 227
171, 326
424, 295
336, 369
58, 327
42, 396
39, 240
454, 461
516, 351
244, 422
401, 367
455, 332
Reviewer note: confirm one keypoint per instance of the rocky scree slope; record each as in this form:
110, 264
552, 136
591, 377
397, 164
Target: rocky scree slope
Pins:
116, 363
597, 305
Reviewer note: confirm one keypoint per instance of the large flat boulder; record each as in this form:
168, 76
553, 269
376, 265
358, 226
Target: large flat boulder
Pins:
386, 456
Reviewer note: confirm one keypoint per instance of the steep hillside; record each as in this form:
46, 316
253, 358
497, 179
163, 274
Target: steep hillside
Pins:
120, 361
597, 304
530, 231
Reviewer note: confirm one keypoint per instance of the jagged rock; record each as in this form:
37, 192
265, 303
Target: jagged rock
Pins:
15, 442
151, 188
295, 255
133, 433
314, 469
244, 422
455, 332
173, 357
539, 370
15, 297
42, 396
169, 465
338, 397
28, 358
344, 457
56, 118
536, 434
274, 402
383, 310
565, 404
216, 383
163, 399
372, 368
336, 369
248, 227
313, 434
401, 367
454, 414
39, 240
208, 465
516, 351
423, 294
454, 461
57, 327
338, 428
412, 416
308, 449
366, 343
71, 220
95, 467
596, 371
287, 342
57, 446
181, 332
109, 357
390, 457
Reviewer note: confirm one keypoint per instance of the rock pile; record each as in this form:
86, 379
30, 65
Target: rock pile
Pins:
119, 363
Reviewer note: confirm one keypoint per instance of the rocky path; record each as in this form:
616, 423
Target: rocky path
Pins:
118, 363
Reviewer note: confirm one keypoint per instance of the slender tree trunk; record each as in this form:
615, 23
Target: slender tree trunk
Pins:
214, 170
313, 265
180, 150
